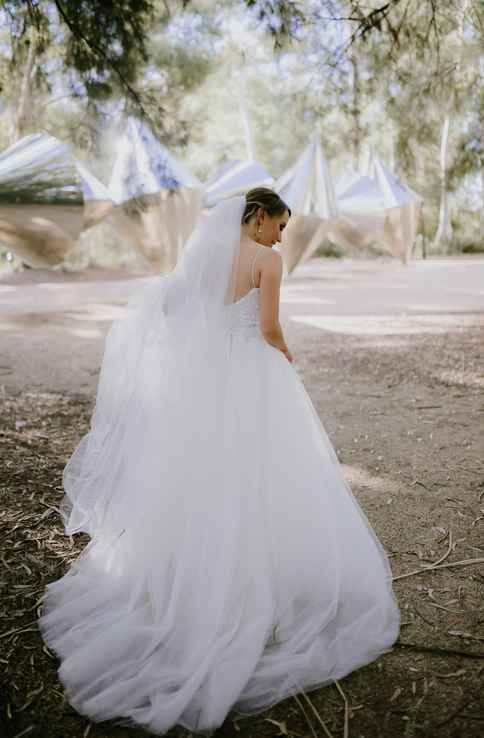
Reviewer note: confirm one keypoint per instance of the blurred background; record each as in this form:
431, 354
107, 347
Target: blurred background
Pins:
256, 81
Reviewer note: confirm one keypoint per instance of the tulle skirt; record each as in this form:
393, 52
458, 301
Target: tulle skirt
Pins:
233, 566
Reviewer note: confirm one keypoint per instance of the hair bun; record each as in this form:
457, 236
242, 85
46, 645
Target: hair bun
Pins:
263, 197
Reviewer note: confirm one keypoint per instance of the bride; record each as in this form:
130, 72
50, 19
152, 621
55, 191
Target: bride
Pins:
229, 565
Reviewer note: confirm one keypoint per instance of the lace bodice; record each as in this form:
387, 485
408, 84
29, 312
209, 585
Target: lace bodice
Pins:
245, 314
245, 310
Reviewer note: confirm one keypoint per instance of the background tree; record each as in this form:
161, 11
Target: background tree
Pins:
366, 76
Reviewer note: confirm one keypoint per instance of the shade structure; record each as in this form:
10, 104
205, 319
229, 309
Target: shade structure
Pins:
394, 193
377, 207
402, 211
97, 200
47, 199
356, 211
361, 208
234, 178
157, 199
308, 190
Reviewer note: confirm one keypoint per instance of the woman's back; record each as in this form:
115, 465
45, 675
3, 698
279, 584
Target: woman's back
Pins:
248, 271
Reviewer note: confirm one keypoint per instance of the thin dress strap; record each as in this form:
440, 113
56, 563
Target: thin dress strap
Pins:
253, 262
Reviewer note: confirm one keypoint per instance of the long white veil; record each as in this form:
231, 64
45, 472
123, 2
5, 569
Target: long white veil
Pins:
170, 353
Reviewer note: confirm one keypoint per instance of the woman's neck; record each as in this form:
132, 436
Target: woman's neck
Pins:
248, 234
248, 231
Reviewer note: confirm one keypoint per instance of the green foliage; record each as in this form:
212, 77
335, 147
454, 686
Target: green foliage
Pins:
365, 76
473, 248
330, 250
103, 44
282, 19
105, 36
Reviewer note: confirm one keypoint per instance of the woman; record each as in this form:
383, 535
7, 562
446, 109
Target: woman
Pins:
229, 564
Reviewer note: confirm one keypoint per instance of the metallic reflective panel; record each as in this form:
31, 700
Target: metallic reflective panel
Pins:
46, 200
235, 178
356, 212
159, 225
97, 201
300, 239
38, 169
157, 199
308, 190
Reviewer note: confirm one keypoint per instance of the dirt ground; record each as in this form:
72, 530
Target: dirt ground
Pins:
393, 359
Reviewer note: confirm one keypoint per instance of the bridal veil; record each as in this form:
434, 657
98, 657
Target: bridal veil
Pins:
172, 348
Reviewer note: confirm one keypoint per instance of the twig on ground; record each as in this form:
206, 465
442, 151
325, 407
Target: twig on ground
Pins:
306, 716
442, 607
463, 634
439, 565
318, 716
452, 675
464, 562
439, 651
347, 709
431, 566
421, 484
429, 622
19, 630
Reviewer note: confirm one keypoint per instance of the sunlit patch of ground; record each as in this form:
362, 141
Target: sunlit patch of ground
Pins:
304, 300
96, 312
360, 477
382, 325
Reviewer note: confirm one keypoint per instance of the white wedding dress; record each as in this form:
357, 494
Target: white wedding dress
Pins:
235, 568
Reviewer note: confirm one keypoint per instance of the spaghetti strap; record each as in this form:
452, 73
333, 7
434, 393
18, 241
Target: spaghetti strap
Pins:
253, 262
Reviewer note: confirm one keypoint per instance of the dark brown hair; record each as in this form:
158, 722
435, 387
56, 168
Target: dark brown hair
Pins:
263, 197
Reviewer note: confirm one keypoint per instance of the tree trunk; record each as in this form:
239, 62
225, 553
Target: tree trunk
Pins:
356, 113
20, 114
393, 153
482, 196
443, 236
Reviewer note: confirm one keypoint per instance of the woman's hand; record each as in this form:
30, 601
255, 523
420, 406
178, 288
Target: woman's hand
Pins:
287, 354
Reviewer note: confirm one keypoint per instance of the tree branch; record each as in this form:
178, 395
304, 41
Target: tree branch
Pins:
74, 29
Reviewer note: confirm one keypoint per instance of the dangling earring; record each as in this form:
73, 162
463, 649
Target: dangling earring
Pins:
258, 233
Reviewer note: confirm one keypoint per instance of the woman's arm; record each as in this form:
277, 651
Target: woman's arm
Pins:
270, 283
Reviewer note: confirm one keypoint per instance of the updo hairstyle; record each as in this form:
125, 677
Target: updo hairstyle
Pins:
263, 197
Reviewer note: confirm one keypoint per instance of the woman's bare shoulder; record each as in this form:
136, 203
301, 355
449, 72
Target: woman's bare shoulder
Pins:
272, 260
270, 268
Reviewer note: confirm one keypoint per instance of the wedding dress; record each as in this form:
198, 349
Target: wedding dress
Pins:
229, 564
